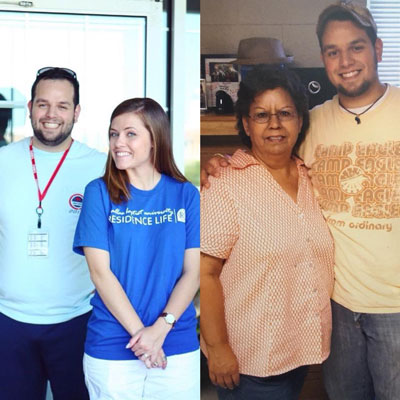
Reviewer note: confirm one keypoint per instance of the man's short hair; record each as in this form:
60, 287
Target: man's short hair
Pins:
57, 73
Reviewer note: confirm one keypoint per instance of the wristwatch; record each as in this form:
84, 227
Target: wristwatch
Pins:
168, 318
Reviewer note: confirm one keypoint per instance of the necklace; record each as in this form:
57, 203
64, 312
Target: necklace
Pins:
357, 116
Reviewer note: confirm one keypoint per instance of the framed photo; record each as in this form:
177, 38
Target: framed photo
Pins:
203, 95
220, 74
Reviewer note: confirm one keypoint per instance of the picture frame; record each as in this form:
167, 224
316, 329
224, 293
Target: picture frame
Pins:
220, 75
206, 58
203, 95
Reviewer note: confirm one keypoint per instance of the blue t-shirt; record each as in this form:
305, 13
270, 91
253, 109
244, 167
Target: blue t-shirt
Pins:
146, 238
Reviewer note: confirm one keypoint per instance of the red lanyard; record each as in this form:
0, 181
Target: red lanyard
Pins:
41, 196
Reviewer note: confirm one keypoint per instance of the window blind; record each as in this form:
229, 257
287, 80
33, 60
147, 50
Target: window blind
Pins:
387, 17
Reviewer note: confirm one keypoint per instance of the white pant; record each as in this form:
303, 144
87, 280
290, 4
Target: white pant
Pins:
131, 380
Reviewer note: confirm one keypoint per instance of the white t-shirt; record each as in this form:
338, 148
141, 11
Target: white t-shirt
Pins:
57, 287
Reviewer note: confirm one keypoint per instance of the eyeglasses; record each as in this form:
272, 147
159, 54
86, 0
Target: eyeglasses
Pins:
263, 117
45, 69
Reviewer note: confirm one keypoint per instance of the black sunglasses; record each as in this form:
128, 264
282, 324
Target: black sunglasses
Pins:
45, 69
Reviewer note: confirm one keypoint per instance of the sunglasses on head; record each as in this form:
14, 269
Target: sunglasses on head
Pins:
45, 69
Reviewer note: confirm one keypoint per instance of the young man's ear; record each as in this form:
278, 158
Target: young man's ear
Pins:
77, 112
378, 49
30, 108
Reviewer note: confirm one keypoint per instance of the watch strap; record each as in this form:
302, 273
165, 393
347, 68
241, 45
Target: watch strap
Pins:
165, 315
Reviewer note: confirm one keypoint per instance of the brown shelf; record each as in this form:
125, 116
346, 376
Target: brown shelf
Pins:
214, 124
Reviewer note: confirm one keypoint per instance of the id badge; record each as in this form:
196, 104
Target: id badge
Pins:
38, 243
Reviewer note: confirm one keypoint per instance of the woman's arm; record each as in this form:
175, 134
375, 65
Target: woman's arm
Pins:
110, 290
187, 286
222, 363
150, 339
112, 293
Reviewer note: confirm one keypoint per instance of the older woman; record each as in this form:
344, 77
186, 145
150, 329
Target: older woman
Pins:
267, 254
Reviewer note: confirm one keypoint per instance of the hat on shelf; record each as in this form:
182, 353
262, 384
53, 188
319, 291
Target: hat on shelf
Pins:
260, 50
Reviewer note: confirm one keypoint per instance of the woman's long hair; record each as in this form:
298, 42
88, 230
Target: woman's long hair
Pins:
156, 122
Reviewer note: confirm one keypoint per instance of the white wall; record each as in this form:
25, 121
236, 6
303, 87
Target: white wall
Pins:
225, 22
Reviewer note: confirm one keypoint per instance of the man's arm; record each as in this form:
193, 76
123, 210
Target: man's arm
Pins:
212, 167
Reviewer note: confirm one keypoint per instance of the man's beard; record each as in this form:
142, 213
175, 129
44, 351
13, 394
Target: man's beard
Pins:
54, 141
363, 88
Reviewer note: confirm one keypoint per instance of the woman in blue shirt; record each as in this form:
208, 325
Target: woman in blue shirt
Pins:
139, 231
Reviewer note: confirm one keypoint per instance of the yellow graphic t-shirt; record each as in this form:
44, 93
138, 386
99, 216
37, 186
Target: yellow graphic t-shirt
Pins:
356, 177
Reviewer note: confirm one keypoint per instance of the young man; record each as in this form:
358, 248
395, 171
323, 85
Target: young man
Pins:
45, 288
353, 149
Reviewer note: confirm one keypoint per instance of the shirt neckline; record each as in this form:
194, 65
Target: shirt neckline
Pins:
151, 192
241, 160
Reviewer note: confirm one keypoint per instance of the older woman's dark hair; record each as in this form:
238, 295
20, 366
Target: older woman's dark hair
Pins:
265, 77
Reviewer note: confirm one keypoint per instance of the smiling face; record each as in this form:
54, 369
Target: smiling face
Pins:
275, 137
130, 143
350, 61
53, 114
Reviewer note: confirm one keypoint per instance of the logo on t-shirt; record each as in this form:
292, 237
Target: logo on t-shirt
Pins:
352, 180
148, 218
75, 201
181, 215
360, 179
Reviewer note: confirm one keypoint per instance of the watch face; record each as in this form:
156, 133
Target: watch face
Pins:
170, 318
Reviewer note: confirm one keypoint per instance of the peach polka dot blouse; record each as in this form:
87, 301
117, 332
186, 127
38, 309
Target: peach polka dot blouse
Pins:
278, 274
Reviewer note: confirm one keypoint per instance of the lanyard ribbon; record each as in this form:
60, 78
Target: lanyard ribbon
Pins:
41, 196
